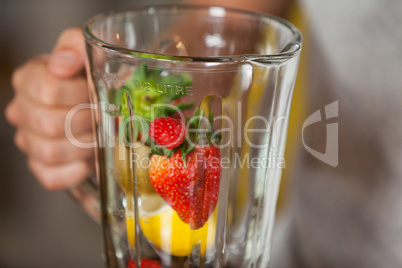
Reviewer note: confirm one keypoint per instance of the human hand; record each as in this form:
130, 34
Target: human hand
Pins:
46, 88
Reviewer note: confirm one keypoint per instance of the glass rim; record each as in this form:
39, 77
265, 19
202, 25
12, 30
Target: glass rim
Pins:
291, 50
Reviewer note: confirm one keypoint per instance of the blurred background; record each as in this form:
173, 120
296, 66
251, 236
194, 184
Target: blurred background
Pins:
39, 228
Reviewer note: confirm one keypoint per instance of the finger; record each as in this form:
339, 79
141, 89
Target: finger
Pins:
35, 81
20, 142
52, 151
68, 56
59, 177
48, 122
12, 113
56, 178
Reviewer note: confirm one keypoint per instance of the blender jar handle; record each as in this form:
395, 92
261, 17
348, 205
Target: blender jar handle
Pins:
86, 194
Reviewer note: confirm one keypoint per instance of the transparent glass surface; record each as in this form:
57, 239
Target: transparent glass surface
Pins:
190, 110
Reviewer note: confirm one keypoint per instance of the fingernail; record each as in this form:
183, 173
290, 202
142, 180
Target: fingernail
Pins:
62, 60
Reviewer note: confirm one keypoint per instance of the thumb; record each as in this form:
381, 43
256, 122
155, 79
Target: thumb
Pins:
68, 56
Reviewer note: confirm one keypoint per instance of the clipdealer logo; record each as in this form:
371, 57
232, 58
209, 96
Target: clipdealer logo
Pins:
331, 154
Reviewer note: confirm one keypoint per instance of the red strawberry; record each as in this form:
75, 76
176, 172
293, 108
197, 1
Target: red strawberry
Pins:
145, 263
167, 132
131, 264
192, 191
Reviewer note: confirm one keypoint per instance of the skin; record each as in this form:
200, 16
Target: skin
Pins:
45, 90
48, 86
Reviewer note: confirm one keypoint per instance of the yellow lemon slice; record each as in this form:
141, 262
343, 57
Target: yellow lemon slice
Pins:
160, 224
130, 230
166, 231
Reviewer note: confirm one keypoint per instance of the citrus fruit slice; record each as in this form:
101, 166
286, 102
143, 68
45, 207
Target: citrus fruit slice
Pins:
167, 232
160, 224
